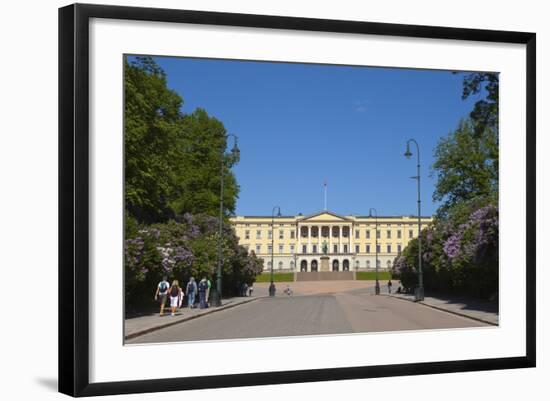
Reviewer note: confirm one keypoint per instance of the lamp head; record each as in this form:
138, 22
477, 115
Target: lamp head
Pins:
408, 153
235, 151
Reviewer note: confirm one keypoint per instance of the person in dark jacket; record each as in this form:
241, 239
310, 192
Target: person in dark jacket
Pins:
203, 287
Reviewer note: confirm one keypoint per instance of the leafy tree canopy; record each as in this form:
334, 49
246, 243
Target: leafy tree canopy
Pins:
173, 161
466, 167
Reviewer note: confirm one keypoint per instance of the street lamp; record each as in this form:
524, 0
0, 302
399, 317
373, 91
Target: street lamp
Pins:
216, 294
272, 285
419, 293
377, 285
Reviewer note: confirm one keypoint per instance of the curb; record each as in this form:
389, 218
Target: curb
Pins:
446, 310
185, 319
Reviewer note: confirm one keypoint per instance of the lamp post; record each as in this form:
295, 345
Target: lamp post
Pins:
419, 293
377, 285
216, 294
272, 285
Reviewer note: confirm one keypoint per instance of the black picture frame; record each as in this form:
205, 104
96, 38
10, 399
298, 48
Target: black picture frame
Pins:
74, 198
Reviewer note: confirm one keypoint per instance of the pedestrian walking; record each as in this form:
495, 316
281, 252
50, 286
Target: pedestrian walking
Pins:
250, 289
288, 290
244, 289
175, 295
203, 286
161, 293
191, 291
389, 286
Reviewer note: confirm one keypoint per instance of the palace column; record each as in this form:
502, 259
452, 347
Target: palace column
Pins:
330, 238
340, 232
321, 239
298, 248
308, 239
349, 237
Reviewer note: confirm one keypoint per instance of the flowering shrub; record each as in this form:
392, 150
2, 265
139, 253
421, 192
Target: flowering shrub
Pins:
457, 256
181, 249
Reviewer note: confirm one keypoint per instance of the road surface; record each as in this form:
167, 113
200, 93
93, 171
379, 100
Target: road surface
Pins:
356, 310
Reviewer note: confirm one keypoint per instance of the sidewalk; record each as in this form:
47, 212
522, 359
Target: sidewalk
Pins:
483, 311
137, 326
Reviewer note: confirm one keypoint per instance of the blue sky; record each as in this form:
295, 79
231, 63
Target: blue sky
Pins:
299, 124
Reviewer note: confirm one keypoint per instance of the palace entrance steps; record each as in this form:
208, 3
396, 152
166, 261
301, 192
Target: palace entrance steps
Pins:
319, 276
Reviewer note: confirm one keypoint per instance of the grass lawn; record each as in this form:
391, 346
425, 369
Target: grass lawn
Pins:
382, 275
277, 277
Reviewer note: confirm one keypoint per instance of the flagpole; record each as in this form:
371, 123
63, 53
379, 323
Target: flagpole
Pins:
325, 185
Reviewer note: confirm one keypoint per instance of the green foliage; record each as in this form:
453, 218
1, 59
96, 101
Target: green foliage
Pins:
277, 277
173, 162
183, 249
485, 112
466, 166
199, 169
382, 275
151, 145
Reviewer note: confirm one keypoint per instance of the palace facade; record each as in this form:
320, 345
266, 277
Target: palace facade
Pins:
326, 241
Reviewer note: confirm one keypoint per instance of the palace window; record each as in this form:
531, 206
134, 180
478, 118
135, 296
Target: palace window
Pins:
410, 233
367, 233
356, 248
378, 234
292, 264
258, 248
280, 265
247, 234
269, 248
281, 234
367, 249
388, 264
388, 248
258, 234
281, 248
399, 249
398, 233
314, 248
269, 264
368, 264
345, 248
292, 234
378, 263
269, 234
356, 234
378, 248
335, 248
388, 234
304, 248
291, 248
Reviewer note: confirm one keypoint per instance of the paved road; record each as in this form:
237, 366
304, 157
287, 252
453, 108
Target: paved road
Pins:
351, 311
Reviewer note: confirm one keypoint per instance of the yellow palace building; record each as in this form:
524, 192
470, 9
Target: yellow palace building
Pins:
326, 241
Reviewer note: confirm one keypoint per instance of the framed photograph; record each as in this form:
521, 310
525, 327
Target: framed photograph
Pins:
266, 200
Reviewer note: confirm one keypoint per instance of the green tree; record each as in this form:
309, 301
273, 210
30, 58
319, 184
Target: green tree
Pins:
198, 172
466, 167
152, 120
173, 161
485, 112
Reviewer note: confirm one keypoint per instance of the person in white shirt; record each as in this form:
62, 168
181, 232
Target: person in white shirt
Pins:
162, 293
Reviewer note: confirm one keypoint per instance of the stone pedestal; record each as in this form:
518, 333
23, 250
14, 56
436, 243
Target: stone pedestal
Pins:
324, 264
